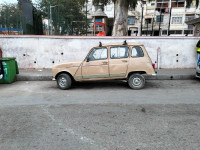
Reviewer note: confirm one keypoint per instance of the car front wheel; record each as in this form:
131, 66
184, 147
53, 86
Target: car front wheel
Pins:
64, 81
136, 81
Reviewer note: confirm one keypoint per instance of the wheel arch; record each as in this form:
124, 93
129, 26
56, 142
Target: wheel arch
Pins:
65, 73
136, 72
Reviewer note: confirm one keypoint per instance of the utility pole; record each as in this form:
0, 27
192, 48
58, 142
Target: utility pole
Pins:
160, 22
141, 20
152, 26
142, 5
51, 19
86, 17
169, 21
147, 26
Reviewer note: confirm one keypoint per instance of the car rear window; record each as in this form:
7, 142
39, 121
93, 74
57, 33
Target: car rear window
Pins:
137, 52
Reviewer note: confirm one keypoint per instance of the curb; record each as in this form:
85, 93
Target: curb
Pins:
34, 78
158, 77
171, 77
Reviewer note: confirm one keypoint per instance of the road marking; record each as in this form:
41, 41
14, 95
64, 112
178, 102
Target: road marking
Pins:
72, 131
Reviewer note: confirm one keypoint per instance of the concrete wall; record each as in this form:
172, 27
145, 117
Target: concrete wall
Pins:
45, 51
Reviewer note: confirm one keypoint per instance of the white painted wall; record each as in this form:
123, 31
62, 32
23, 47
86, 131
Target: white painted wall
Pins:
47, 49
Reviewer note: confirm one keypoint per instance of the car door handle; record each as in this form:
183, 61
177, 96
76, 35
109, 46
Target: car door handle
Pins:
104, 63
124, 61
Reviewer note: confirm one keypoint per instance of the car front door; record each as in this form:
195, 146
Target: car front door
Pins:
118, 62
96, 64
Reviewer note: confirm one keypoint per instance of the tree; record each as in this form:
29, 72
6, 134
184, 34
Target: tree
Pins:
189, 2
66, 15
10, 17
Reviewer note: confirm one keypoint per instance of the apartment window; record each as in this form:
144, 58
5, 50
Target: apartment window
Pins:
190, 27
177, 3
148, 21
108, 8
131, 9
175, 32
162, 3
152, 4
159, 18
164, 32
131, 20
145, 32
98, 7
189, 17
176, 20
98, 20
188, 31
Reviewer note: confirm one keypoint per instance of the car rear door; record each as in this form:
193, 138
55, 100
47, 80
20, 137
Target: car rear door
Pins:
118, 61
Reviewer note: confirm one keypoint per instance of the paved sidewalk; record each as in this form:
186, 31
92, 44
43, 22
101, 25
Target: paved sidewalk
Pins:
162, 74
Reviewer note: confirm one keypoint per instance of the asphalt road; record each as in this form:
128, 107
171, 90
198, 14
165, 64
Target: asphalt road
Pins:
100, 116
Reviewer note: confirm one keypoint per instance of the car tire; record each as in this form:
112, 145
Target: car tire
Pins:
136, 81
64, 81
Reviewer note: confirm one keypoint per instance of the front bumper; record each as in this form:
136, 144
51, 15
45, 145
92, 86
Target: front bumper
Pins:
197, 74
198, 71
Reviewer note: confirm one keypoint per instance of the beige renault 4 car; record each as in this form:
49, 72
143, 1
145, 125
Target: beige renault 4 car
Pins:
128, 61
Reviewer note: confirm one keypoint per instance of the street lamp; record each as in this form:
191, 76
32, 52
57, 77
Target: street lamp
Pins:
50, 22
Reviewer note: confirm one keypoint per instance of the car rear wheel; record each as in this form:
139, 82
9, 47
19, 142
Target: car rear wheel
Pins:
136, 81
64, 81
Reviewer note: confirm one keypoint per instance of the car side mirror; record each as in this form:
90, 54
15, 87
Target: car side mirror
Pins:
88, 59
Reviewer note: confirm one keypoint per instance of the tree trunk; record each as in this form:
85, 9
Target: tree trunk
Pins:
121, 18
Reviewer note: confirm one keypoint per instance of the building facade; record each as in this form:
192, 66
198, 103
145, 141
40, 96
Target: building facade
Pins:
154, 18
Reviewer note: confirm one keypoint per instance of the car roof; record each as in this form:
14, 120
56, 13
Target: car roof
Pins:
121, 44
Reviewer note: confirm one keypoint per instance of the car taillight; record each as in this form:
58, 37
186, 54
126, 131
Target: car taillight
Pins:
153, 66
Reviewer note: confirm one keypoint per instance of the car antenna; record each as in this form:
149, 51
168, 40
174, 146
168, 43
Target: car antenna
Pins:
100, 44
125, 43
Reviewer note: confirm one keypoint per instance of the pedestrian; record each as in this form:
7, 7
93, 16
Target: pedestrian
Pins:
198, 52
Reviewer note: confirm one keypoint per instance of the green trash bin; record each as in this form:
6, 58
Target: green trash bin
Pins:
9, 69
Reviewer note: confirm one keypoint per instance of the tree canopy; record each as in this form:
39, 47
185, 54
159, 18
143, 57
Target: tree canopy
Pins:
66, 15
10, 16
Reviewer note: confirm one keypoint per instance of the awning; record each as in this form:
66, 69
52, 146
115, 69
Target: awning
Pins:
148, 16
190, 13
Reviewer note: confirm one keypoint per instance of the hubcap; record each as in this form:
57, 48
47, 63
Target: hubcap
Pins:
62, 82
136, 81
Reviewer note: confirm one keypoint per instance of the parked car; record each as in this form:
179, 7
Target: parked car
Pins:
128, 61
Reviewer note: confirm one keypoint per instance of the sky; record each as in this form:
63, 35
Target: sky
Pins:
12, 1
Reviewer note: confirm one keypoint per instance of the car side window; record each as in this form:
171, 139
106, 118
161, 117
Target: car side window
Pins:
98, 54
119, 52
137, 52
